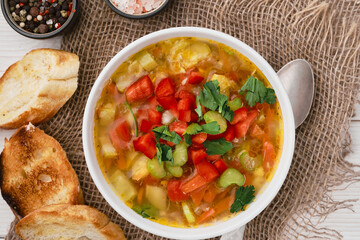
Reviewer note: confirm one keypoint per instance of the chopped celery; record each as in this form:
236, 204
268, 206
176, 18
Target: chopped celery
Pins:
213, 116
175, 171
146, 210
146, 61
235, 104
107, 114
250, 163
123, 186
231, 176
225, 84
157, 170
180, 155
188, 213
156, 196
139, 169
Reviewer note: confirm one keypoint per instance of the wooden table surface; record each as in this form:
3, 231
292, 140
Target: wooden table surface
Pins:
12, 48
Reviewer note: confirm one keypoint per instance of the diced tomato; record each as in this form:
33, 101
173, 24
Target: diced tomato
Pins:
145, 125
122, 130
215, 137
165, 88
220, 166
198, 195
199, 138
197, 155
185, 104
207, 170
153, 102
194, 117
269, 155
174, 192
229, 135
154, 116
241, 128
195, 78
185, 115
256, 131
168, 102
239, 115
146, 144
140, 90
179, 127
194, 183
116, 141
213, 158
182, 94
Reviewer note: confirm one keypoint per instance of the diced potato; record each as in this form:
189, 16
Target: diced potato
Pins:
139, 169
156, 196
175, 57
188, 213
131, 156
107, 114
108, 151
226, 84
146, 60
123, 186
194, 53
131, 72
259, 171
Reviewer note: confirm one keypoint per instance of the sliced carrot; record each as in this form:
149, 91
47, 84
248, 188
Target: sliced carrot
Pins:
210, 193
205, 216
198, 195
196, 182
248, 179
150, 180
140, 196
224, 204
108, 162
223, 193
121, 161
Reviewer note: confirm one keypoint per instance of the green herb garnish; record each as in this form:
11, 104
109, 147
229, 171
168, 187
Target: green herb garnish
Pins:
210, 97
212, 128
198, 109
217, 147
256, 92
164, 153
163, 132
159, 108
146, 210
243, 196
135, 122
187, 139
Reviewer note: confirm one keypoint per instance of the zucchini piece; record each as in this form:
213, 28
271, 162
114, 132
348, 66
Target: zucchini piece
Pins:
107, 114
123, 186
146, 60
250, 163
213, 116
235, 104
188, 212
157, 170
225, 84
231, 176
156, 196
139, 169
180, 155
175, 171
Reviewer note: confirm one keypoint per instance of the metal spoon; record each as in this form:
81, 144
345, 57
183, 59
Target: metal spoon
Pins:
298, 79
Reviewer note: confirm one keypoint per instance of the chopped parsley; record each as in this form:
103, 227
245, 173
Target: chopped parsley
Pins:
243, 196
217, 147
256, 92
159, 108
198, 109
164, 153
163, 132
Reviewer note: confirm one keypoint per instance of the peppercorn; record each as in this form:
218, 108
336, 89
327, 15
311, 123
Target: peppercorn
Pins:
17, 1
65, 6
52, 11
43, 28
36, 30
22, 24
23, 12
62, 20
57, 7
24, 1
12, 3
58, 14
34, 11
12, 9
17, 11
64, 13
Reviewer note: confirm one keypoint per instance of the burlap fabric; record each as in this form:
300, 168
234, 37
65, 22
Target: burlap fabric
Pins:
326, 33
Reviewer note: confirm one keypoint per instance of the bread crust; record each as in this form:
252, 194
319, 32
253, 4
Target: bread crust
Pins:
51, 220
35, 172
50, 86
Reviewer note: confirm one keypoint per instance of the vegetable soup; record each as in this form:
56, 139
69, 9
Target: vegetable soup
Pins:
187, 131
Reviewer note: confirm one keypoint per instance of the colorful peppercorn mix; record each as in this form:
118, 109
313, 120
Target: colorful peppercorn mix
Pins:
40, 16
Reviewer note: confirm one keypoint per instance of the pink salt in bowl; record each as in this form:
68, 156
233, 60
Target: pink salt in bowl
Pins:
133, 9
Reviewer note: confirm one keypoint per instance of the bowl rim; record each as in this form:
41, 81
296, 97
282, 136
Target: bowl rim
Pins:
6, 13
264, 197
137, 16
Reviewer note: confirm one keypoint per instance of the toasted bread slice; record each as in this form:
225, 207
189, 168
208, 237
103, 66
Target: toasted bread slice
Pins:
36, 87
65, 221
35, 172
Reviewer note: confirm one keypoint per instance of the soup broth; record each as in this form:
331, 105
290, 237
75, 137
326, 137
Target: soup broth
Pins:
187, 132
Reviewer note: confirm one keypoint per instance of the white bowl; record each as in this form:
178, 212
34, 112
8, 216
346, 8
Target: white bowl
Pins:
262, 199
